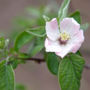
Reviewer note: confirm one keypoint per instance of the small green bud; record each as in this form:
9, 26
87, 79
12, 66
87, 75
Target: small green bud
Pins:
2, 42
46, 18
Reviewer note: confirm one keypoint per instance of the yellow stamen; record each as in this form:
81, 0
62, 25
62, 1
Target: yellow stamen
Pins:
64, 36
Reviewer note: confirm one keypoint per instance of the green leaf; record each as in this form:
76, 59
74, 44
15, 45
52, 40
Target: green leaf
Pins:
2, 42
20, 87
85, 26
79, 53
23, 22
40, 21
6, 76
28, 36
38, 32
38, 42
63, 10
46, 18
52, 62
22, 39
76, 16
37, 46
34, 11
36, 50
15, 62
70, 70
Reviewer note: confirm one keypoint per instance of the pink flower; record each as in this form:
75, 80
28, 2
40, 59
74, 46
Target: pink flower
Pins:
64, 38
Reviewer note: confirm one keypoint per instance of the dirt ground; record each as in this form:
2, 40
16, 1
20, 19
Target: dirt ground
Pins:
37, 76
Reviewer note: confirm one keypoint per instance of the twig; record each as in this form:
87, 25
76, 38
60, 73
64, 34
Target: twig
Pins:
38, 60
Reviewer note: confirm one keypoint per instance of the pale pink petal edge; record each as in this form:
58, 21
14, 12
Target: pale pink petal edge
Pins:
52, 29
78, 44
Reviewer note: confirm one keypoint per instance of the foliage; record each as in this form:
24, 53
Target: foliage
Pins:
6, 76
69, 73
20, 87
52, 62
31, 32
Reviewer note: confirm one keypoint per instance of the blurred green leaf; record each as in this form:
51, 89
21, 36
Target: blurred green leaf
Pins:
22, 55
40, 21
20, 87
37, 47
2, 42
85, 26
24, 22
34, 11
76, 16
46, 18
27, 36
36, 50
70, 71
22, 39
38, 32
63, 10
15, 61
6, 76
79, 53
52, 62
3, 47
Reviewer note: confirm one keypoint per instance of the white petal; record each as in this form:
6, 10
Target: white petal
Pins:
65, 50
52, 46
69, 25
77, 40
55, 46
52, 30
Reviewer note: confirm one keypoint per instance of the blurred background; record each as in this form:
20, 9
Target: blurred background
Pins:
13, 14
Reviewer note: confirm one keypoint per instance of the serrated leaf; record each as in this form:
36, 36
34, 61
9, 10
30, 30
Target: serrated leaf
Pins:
70, 71
76, 16
52, 62
6, 76
63, 10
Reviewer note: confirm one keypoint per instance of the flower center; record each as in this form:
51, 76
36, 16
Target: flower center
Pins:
64, 37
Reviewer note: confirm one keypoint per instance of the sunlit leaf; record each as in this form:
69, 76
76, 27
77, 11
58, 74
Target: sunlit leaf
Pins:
52, 62
22, 39
27, 36
6, 76
70, 71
